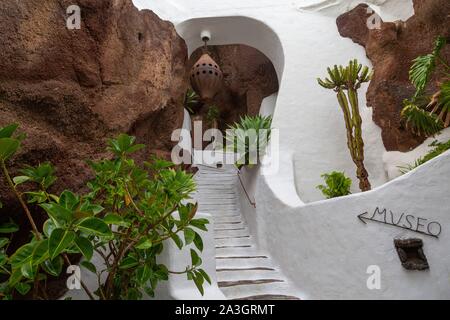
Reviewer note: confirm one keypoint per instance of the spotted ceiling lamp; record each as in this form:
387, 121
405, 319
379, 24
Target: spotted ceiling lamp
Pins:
206, 76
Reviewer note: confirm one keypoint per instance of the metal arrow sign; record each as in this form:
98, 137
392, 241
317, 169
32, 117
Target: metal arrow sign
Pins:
404, 221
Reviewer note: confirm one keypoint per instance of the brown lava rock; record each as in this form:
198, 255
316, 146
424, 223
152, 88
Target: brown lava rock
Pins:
391, 50
70, 90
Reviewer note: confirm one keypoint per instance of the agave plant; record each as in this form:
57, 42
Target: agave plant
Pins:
250, 135
346, 81
191, 100
435, 114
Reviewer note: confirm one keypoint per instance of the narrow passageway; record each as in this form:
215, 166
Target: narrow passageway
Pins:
243, 271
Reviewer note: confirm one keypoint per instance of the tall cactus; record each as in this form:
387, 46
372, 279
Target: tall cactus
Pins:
346, 81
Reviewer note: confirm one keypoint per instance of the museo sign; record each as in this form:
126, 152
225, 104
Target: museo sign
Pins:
404, 221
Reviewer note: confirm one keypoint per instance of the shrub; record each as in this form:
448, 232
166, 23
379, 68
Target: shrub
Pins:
125, 218
336, 185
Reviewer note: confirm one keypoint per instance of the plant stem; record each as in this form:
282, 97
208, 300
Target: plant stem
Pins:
22, 202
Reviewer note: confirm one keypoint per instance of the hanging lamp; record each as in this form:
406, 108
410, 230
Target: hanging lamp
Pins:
206, 76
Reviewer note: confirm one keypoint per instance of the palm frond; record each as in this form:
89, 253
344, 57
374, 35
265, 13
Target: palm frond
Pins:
424, 66
420, 121
444, 102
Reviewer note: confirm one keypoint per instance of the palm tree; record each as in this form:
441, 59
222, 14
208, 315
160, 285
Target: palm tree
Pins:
346, 81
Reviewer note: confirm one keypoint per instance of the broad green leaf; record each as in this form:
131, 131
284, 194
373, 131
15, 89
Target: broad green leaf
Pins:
60, 239
95, 226
177, 241
53, 267
128, 262
22, 255
23, 288
8, 147
198, 280
85, 247
68, 200
3, 242
28, 270
3, 259
48, 227
9, 227
20, 179
16, 276
8, 131
189, 235
40, 252
200, 224
205, 275
198, 242
144, 244
57, 212
196, 260
143, 274
115, 219
89, 266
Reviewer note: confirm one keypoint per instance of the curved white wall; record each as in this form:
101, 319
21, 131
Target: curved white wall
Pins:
326, 248
301, 41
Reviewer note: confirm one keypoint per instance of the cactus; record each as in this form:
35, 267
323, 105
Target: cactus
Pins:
346, 81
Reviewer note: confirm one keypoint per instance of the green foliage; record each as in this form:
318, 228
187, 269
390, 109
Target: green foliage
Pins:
424, 66
191, 100
420, 121
336, 185
249, 137
213, 114
346, 81
438, 149
417, 118
125, 218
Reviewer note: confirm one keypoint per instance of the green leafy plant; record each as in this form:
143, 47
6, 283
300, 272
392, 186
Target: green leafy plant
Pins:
438, 149
429, 118
419, 121
336, 185
191, 100
346, 81
249, 137
126, 216
213, 115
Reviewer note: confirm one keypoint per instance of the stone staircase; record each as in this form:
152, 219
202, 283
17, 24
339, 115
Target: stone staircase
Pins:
243, 271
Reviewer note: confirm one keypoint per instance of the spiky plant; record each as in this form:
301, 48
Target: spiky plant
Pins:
419, 121
191, 100
240, 137
346, 81
435, 115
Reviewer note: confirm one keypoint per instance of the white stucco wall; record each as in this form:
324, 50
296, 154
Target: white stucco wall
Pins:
326, 249
301, 40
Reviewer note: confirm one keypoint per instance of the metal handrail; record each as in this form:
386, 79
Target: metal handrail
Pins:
253, 203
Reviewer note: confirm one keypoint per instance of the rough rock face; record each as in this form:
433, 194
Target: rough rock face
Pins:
249, 77
70, 90
391, 50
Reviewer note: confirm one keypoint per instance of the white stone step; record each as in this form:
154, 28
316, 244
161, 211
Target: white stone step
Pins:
243, 262
254, 274
272, 288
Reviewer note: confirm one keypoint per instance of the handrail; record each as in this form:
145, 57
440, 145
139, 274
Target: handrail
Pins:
253, 203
